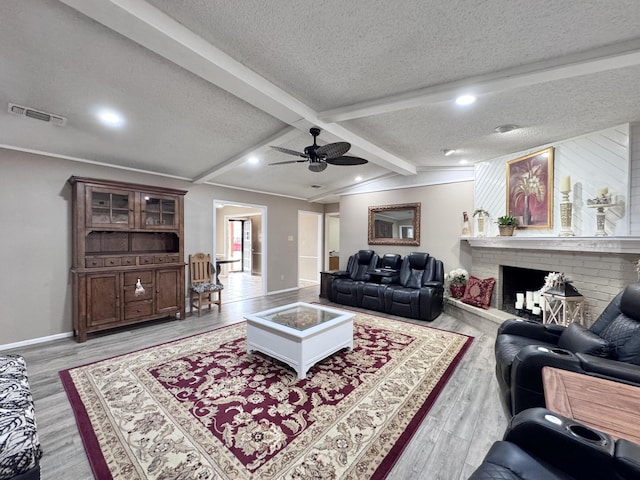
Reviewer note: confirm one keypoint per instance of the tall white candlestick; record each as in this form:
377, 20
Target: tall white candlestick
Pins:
520, 297
529, 297
565, 184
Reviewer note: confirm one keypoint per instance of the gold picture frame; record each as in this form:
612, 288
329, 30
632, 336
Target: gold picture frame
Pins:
395, 224
530, 189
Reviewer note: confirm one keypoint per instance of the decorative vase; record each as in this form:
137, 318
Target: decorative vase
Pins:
506, 230
457, 290
480, 225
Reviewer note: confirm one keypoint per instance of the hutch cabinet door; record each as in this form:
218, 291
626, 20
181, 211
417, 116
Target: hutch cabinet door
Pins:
159, 212
109, 208
103, 298
169, 290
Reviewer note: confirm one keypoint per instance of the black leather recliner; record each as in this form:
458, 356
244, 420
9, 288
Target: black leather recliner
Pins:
344, 288
419, 293
371, 295
610, 349
541, 445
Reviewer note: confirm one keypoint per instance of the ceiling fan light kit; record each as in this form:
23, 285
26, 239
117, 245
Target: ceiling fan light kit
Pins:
321, 156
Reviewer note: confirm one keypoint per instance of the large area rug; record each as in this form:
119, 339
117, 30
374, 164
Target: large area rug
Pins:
202, 408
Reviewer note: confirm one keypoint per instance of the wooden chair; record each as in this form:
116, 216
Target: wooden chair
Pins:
202, 283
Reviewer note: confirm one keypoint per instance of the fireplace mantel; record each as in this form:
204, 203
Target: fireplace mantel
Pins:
570, 244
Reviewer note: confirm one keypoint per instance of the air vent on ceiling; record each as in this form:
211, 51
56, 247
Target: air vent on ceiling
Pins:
37, 114
317, 186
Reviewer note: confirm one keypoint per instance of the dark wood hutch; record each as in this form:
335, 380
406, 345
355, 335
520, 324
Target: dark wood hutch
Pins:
128, 258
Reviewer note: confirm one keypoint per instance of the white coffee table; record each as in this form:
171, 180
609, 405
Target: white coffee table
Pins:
300, 334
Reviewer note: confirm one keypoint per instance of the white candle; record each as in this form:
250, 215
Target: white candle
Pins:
529, 297
565, 184
519, 305
542, 301
536, 297
530, 305
536, 310
602, 191
520, 297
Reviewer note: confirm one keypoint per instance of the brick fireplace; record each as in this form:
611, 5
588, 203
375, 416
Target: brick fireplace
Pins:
600, 267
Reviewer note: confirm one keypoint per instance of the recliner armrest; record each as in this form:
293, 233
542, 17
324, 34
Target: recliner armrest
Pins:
612, 369
531, 329
568, 445
526, 373
433, 284
340, 274
627, 456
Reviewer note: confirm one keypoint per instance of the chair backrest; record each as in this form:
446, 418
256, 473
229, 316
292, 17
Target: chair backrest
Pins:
619, 325
361, 264
417, 268
390, 260
200, 268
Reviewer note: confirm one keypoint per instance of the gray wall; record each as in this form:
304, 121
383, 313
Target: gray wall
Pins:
440, 227
35, 243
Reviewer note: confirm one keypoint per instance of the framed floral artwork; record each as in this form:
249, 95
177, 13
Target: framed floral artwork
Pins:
530, 189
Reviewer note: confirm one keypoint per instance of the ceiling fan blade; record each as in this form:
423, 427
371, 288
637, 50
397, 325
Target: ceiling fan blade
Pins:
288, 161
347, 160
288, 151
333, 150
317, 166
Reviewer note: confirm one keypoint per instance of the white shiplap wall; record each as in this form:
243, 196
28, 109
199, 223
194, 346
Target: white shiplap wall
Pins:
634, 190
597, 160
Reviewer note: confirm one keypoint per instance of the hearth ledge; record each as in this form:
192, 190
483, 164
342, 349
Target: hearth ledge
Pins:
487, 321
571, 244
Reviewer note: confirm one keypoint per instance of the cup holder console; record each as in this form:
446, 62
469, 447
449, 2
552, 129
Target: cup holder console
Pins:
587, 434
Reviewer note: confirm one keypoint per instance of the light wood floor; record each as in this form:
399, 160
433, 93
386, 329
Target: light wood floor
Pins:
451, 442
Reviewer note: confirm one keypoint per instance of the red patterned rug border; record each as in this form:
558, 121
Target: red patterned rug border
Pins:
394, 453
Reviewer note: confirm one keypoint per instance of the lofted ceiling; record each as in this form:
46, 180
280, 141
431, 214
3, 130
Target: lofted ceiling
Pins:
206, 85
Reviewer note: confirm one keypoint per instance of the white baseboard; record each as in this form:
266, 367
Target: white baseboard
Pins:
35, 341
283, 291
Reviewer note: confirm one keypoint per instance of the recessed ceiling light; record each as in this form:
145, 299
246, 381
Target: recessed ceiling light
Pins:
463, 162
111, 118
448, 151
465, 100
254, 160
506, 128
358, 178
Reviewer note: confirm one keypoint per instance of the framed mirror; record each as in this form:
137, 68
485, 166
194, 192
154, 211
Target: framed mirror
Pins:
394, 224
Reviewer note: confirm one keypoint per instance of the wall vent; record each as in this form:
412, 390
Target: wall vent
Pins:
37, 114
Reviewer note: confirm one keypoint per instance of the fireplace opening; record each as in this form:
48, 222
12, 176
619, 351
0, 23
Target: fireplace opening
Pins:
520, 280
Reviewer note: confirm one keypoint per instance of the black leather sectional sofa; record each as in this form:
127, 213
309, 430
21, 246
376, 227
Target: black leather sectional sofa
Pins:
411, 287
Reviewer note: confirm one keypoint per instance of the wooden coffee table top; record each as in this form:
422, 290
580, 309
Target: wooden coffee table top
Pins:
608, 406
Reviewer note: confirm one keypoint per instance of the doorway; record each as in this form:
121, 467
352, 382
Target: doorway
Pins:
309, 248
332, 241
238, 242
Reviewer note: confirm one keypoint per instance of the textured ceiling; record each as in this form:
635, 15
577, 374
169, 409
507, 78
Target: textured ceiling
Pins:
204, 84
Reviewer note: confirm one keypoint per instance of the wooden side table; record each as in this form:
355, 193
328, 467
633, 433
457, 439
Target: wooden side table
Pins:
325, 281
608, 406
562, 310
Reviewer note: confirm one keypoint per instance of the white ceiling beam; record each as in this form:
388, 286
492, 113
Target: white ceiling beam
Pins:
153, 29
599, 60
283, 136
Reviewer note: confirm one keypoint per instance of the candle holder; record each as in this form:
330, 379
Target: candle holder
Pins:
566, 208
601, 203
600, 217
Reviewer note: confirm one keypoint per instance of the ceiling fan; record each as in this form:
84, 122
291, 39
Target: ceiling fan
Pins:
320, 156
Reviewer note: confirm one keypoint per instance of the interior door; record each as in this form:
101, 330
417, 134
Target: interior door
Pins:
246, 246
256, 245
